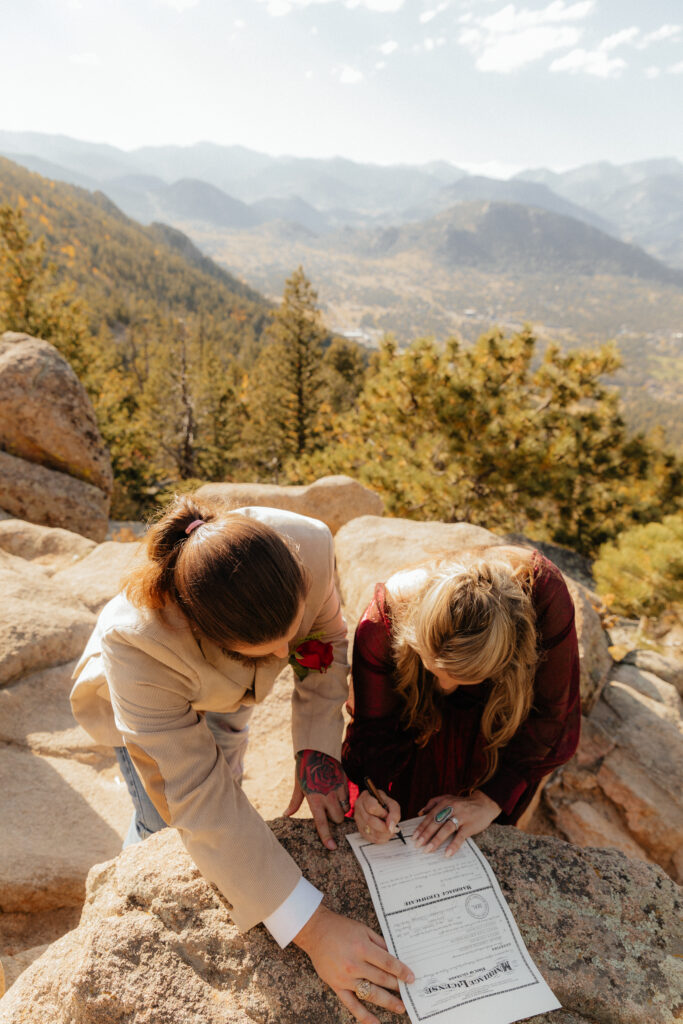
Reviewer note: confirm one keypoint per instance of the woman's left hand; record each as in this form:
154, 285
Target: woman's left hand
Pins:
468, 816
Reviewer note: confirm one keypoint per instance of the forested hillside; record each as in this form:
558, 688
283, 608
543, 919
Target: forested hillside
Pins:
162, 338
164, 341
128, 273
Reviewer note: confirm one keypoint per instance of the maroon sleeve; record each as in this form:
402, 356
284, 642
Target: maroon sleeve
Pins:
375, 744
550, 735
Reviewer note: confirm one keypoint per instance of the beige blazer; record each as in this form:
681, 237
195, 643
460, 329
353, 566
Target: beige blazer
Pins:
144, 680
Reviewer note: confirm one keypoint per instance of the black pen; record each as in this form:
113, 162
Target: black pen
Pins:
373, 789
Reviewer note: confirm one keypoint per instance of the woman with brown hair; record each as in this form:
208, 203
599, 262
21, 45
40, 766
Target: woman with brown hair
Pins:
205, 623
465, 693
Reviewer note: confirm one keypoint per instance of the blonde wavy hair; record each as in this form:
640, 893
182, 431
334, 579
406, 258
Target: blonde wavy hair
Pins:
474, 619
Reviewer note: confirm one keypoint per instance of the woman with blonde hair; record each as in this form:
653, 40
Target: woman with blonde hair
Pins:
218, 606
465, 693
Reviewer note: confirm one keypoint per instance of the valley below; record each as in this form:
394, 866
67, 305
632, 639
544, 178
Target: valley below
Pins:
411, 294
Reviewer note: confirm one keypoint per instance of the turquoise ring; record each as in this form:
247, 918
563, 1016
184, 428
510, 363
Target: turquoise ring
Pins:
443, 815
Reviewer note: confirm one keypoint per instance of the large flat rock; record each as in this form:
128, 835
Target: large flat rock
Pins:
35, 713
47, 546
156, 941
42, 624
59, 818
97, 577
333, 499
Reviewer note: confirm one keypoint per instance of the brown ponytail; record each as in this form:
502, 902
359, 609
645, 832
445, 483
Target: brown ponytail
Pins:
235, 579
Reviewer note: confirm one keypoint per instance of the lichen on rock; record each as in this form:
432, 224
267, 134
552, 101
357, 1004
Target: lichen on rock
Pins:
156, 943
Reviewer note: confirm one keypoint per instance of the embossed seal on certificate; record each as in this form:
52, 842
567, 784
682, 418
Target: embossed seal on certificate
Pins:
476, 906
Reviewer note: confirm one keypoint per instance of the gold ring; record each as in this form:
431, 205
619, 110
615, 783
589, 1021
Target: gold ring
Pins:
367, 830
363, 988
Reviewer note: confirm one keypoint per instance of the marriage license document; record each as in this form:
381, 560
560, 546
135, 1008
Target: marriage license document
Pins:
447, 919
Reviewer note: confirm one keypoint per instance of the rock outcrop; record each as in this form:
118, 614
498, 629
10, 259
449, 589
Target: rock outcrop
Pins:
150, 916
624, 788
64, 804
369, 550
54, 466
53, 549
333, 499
42, 624
156, 940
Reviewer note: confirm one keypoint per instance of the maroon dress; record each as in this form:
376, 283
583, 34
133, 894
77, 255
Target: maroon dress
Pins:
379, 745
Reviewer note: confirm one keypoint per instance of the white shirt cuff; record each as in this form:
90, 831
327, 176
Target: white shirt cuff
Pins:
290, 917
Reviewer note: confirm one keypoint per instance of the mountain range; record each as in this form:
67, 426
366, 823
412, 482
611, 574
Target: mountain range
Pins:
415, 250
233, 187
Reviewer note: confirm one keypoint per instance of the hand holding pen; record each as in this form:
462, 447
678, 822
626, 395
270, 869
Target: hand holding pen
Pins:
377, 815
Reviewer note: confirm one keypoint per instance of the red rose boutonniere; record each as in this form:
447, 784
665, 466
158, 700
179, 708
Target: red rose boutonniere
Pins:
311, 655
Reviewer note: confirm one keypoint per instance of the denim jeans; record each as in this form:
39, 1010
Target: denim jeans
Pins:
231, 733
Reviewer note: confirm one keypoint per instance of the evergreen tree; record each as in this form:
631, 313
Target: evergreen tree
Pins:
286, 388
641, 572
344, 367
189, 405
478, 435
31, 301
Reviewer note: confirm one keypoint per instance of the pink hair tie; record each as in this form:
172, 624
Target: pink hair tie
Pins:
193, 525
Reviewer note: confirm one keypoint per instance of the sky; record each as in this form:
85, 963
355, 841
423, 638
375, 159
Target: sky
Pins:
487, 85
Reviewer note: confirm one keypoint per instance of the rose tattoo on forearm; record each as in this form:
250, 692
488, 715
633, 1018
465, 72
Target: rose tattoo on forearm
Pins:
318, 772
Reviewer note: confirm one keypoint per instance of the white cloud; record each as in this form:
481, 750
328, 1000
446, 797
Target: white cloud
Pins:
389, 47
238, 23
511, 38
86, 60
626, 35
589, 62
179, 5
380, 65
509, 19
278, 8
429, 44
427, 16
350, 76
506, 53
597, 62
676, 69
659, 34
381, 6
652, 72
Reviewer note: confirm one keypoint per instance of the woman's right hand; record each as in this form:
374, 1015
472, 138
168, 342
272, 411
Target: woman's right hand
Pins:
345, 952
374, 823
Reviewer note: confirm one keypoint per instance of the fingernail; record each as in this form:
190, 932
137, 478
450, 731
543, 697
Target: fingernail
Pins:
449, 853
392, 827
428, 849
331, 845
411, 978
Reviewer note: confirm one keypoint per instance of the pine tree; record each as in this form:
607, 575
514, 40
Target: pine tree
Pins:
189, 405
478, 435
31, 301
286, 387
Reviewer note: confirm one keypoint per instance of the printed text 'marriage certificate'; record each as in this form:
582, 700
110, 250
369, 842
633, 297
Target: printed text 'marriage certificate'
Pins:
446, 918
